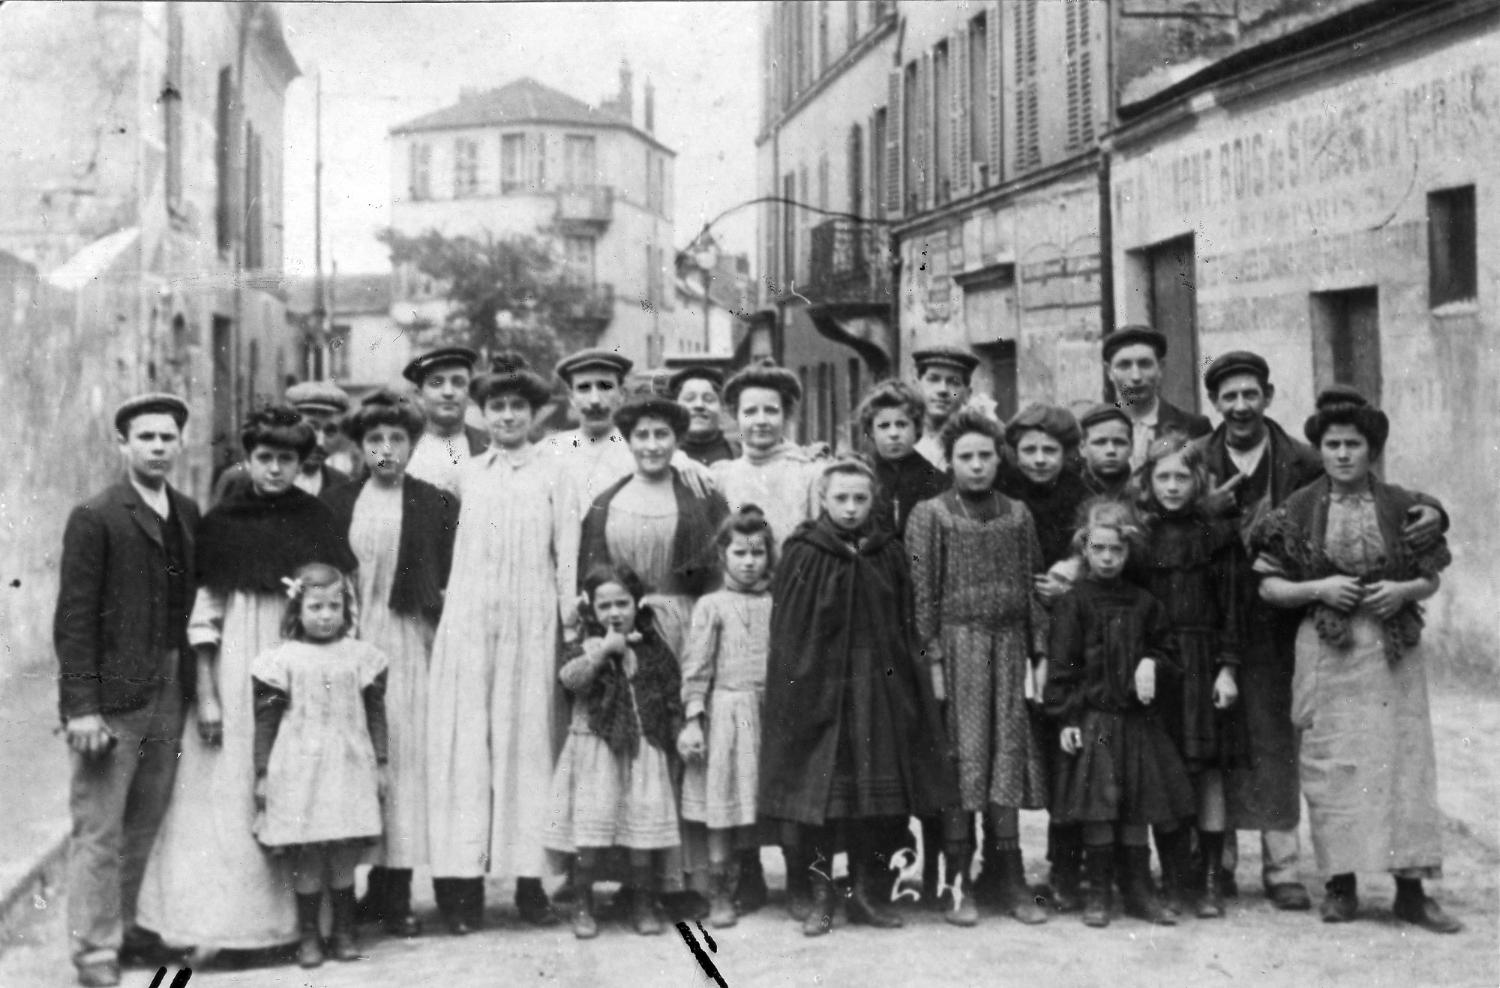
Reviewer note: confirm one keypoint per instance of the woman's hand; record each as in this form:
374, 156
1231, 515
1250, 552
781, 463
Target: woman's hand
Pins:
939, 684
699, 478
1386, 597
210, 721
690, 741
1145, 681
1072, 740
1226, 688
1424, 526
1342, 593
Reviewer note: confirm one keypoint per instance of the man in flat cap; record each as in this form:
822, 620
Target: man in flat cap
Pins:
120, 631
1133, 356
442, 378
1106, 447
943, 375
1254, 466
322, 405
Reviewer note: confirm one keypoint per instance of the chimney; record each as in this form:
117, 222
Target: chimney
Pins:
625, 101
650, 107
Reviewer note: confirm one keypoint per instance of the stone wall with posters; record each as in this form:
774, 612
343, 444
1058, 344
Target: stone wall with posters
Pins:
1315, 185
1023, 270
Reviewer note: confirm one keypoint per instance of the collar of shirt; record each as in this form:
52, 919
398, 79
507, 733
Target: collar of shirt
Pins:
1143, 431
156, 500
310, 482
1247, 460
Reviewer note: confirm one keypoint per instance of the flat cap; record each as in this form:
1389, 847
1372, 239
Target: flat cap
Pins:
318, 396
1236, 362
948, 356
1054, 420
1103, 412
416, 371
1128, 335
710, 374
155, 402
593, 359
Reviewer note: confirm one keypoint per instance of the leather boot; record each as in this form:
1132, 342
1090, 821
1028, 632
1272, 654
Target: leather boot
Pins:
819, 918
450, 902
750, 890
372, 905
986, 885
585, 927
1015, 895
1175, 849
798, 891
344, 945
399, 920
473, 902
532, 903
1067, 868
864, 907
643, 905
962, 908
1211, 903
1141, 900
721, 914
310, 938
1100, 864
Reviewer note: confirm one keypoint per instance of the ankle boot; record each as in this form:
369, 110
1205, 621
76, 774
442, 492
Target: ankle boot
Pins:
798, 891
472, 896
963, 909
372, 906
1067, 869
721, 914
399, 920
532, 903
310, 937
750, 890
819, 918
1015, 895
986, 885
864, 906
344, 946
1211, 903
585, 927
643, 905
450, 902
1175, 849
1100, 864
1141, 900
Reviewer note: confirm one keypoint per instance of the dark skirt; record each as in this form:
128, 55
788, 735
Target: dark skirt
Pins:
1205, 736
1128, 772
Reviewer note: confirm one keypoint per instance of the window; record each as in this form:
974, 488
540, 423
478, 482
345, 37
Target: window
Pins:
1028, 122
223, 225
877, 166
512, 163
578, 266
465, 168
171, 99
1080, 78
979, 103
254, 200
942, 120
1452, 261
580, 168
909, 141
536, 145
856, 177
419, 185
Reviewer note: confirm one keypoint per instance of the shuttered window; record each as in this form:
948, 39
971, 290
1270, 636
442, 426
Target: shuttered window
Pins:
978, 122
878, 139
942, 124
1080, 77
995, 64
959, 102
855, 159
1028, 122
895, 120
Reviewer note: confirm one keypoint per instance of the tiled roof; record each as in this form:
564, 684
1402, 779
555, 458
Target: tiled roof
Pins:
520, 101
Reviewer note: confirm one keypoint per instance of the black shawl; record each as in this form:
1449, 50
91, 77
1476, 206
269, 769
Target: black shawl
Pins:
695, 560
900, 485
709, 450
249, 542
658, 696
429, 519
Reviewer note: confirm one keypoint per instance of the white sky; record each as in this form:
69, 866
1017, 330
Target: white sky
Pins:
384, 63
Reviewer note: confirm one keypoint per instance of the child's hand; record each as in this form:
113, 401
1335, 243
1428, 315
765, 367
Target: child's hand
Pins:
1050, 586
939, 686
690, 741
614, 643
1072, 740
260, 794
1145, 681
1226, 689
1342, 593
1385, 598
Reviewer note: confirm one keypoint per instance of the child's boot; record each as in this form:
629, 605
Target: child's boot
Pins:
1015, 895
373, 904
399, 919
864, 907
345, 947
798, 891
932, 843
1176, 853
1066, 854
963, 910
585, 927
750, 891
1211, 903
1141, 900
819, 918
1100, 864
721, 879
310, 938
643, 905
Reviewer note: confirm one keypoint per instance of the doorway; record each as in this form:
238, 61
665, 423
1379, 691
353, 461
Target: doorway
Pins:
1172, 282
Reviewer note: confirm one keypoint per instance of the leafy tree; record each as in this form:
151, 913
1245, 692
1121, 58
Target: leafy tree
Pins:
507, 293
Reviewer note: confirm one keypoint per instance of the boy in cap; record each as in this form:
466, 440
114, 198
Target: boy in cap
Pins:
120, 631
442, 379
322, 405
1133, 356
1106, 450
943, 375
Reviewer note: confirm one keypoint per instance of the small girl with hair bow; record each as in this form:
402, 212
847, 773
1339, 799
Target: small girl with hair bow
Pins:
320, 751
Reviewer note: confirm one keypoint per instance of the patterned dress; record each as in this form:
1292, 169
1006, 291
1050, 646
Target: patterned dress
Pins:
375, 537
972, 574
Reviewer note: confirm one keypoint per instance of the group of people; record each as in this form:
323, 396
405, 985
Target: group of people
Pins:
642, 651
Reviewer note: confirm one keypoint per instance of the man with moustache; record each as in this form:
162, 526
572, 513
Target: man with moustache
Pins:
322, 405
943, 375
1255, 466
441, 378
120, 631
1106, 450
1134, 356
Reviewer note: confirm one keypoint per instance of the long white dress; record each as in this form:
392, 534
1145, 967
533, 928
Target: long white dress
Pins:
781, 482
406, 640
208, 883
493, 708
593, 465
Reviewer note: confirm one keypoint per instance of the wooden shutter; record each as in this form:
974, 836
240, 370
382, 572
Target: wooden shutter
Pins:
894, 117
855, 161
994, 27
1028, 124
1080, 74
924, 132
958, 75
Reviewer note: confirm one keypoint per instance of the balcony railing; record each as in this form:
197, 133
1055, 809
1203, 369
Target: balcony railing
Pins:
595, 303
584, 205
849, 262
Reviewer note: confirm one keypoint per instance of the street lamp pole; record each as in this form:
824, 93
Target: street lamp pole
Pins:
706, 257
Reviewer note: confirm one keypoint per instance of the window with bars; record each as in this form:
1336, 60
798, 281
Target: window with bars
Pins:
465, 168
419, 170
1080, 77
1028, 123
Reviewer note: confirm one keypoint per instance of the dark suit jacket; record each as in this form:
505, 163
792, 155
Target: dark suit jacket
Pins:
1169, 416
110, 629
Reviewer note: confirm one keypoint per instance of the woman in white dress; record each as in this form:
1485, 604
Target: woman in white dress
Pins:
209, 884
401, 530
494, 709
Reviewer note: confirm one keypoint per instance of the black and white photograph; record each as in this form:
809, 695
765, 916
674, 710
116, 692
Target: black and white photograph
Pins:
750, 493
